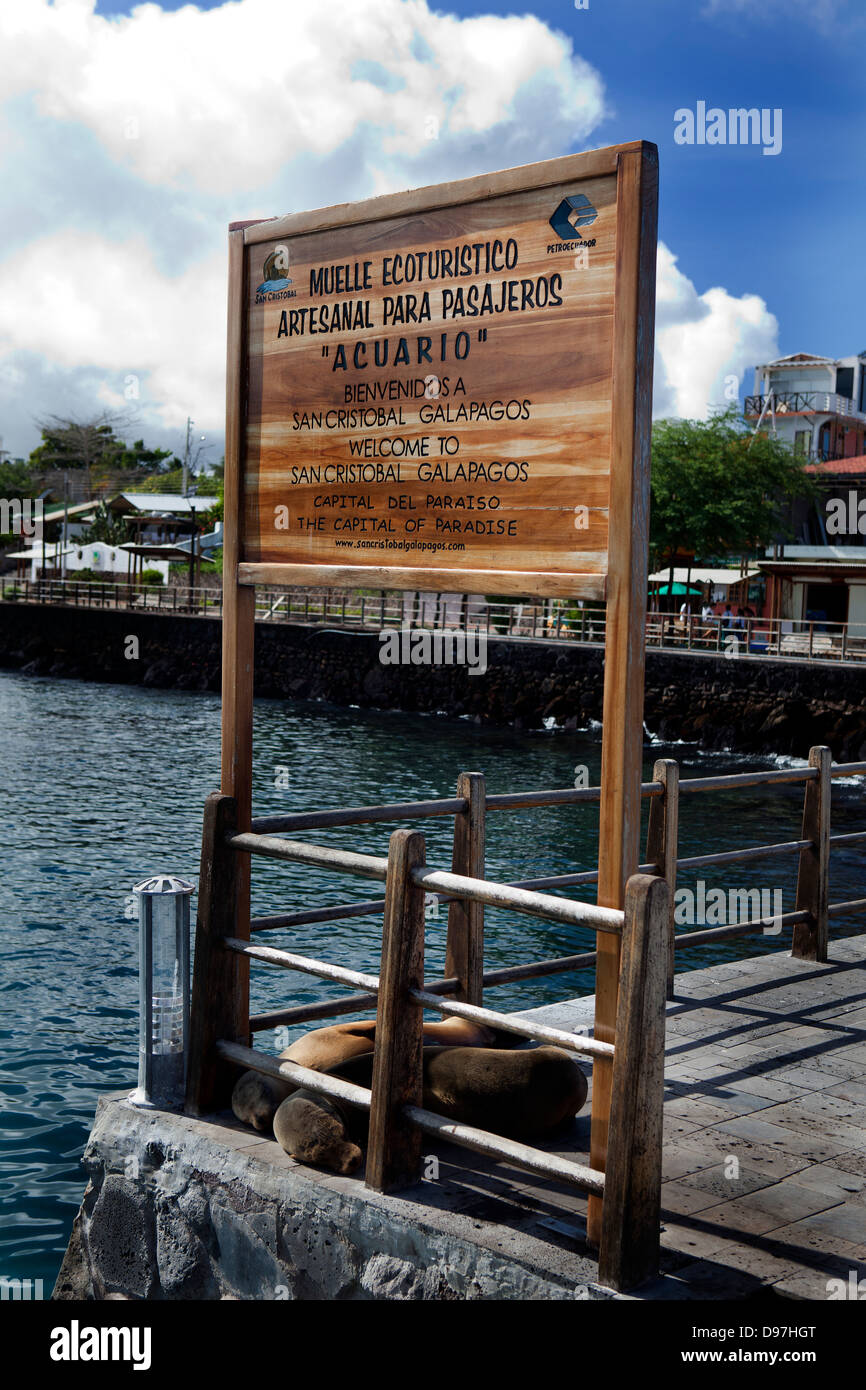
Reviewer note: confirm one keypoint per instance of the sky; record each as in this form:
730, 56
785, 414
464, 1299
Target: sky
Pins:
131, 135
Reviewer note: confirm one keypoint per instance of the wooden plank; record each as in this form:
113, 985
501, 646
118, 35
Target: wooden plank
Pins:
464, 951
220, 990
320, 856
289, 960
509, 1150
357, 815
579, 914
811, 939
662, 840
320, 1083
632, 1196
394, 1148
585, 586
238, 602
588, 164
622, 713
575, 1042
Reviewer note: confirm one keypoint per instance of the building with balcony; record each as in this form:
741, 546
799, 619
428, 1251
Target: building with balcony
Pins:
816, 404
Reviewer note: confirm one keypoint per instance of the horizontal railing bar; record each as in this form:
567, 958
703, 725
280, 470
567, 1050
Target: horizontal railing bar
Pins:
854, 905
376, 905
564, 796
330, 1008
318, 914
289, 961
851, 837
534, 970
733, 856
359, 815
496, 1146
320, 1082
520, 900
747, 779
489, 1017
321, 856
353, 1003
848, 770
695, 938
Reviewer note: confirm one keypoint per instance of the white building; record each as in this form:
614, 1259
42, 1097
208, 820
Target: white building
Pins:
816, 404
107, 561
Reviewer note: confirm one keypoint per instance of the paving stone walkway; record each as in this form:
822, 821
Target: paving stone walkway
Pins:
765, 1126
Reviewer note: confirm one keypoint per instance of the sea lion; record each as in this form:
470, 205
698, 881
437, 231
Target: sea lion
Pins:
514, 1093
313, 1129
256, 1097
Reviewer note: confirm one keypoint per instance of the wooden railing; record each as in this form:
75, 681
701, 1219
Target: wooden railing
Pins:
107, 593
629, 1188
752, 638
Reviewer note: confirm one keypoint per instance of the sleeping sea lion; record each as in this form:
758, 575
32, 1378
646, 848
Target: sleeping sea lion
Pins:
256, 1097
514, 1093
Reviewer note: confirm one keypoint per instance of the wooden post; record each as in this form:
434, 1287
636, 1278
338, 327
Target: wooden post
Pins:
220, 1010
811, 939
239, 601
632, 1195
464, 952
394, 1147
625, 618
661, 843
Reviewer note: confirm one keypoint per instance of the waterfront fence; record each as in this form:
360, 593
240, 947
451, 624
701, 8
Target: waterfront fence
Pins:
629, 1187
808, 639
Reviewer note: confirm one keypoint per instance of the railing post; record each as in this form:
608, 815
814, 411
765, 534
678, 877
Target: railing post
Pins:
220, 1009
394, 1147
629, 1252
464, 952
661, 844
810, 939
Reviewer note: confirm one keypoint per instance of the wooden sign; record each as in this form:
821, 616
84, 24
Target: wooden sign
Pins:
451, 389
426, 385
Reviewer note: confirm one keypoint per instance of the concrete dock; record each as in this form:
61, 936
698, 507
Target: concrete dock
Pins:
764, 1165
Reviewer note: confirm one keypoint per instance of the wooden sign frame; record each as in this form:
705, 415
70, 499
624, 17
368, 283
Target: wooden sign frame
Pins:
623, 587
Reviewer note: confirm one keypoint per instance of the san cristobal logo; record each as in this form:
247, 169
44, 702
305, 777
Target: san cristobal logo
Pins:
276, 279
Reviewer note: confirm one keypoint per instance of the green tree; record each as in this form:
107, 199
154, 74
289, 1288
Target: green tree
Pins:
16, 479
717, 490
95, 443
170, 481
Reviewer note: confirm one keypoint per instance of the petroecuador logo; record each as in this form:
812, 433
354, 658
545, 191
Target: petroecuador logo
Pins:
576, 211
276, 279
572, 214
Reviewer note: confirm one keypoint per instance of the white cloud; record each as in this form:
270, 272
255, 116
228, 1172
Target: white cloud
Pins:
136, 139
221, 99
701, 339
82, 301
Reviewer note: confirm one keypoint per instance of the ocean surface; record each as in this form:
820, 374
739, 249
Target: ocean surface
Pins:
104, 786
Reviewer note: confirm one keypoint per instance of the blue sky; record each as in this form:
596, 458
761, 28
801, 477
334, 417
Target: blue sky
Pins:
130, 137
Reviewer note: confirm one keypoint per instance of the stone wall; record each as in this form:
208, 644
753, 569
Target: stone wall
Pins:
757, 706
178, 1208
